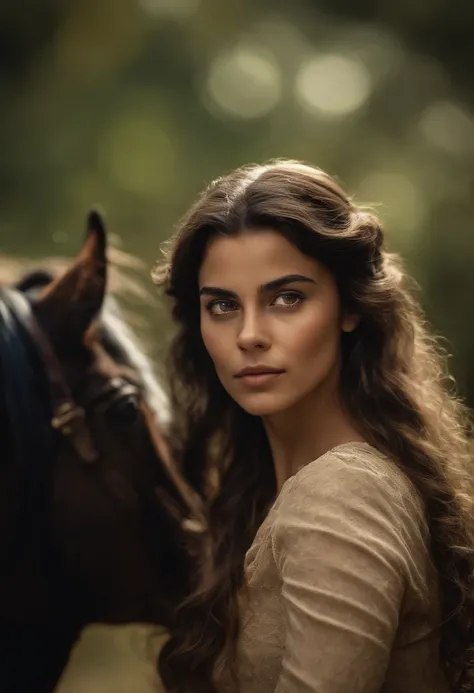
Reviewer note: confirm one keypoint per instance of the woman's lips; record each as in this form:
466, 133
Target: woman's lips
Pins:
259, 379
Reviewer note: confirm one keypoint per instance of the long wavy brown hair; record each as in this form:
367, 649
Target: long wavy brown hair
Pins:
395, 383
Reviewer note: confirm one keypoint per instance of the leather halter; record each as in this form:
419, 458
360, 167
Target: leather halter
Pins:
68, 418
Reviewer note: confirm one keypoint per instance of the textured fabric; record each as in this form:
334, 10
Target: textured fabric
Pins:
342, 595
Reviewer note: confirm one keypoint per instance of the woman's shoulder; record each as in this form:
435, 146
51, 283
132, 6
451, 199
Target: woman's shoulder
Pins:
354, 475
354, 463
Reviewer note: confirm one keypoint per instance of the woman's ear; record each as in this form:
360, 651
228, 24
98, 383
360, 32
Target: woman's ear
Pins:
349, 322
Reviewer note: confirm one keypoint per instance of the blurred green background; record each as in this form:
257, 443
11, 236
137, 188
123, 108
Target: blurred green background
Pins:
137, 104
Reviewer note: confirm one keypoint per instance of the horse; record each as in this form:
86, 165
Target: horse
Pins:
92, 507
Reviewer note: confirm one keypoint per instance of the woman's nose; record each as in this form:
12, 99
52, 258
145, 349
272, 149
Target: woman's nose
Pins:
252, 334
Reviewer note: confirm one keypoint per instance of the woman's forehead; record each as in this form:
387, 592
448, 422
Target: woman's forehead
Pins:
257, 256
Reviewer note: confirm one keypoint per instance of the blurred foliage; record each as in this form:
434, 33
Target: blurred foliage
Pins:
137, 104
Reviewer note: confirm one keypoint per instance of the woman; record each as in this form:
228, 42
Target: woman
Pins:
342, 553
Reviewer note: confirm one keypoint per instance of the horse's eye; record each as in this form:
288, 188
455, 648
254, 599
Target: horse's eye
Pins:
126, 409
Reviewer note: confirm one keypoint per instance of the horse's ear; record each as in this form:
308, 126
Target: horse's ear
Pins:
70, 303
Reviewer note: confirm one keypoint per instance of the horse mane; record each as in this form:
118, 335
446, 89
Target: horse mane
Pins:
25, 419
121, 343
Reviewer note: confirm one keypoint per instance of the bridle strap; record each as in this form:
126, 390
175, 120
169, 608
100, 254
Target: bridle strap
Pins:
68, 418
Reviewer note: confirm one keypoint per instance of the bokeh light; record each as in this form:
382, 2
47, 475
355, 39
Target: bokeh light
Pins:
449, 127
333, 85
244, 82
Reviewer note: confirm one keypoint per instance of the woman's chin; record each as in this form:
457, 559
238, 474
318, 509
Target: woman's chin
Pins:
259, 407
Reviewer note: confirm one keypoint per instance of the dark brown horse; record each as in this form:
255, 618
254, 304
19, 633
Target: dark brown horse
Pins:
83, 535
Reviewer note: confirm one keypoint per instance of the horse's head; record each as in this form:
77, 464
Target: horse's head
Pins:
80, 402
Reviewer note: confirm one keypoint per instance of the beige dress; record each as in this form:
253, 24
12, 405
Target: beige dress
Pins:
342, 593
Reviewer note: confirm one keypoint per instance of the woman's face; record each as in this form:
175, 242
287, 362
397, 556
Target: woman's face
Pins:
270, 320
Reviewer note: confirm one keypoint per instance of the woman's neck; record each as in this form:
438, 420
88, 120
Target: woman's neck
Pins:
306, 431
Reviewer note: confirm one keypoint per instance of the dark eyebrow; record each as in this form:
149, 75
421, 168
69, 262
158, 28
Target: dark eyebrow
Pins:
283, 281
263, 288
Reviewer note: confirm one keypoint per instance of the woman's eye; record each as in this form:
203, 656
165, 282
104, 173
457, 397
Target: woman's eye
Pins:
288, 299
221, 307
